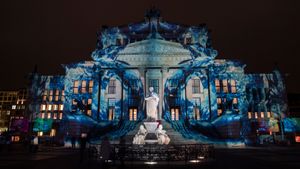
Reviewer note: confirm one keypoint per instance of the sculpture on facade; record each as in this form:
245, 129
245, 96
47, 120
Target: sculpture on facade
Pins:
139, 137
162, 137
152, 103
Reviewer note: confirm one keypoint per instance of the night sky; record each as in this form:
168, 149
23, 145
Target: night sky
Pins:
51, 33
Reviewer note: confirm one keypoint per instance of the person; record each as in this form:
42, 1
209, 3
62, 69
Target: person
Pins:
83, 140
162, 137
106, 152
73, 141
152, 103
122, 151
139, 138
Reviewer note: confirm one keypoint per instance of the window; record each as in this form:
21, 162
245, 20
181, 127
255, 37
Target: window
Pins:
225, 86
133, 114
120, 41
268, 114
75, 87
13, 107
50, 95
155, 84
196, 113
49, 115
249, 115
235, 103
111, 108
43, 107
174, 114
74, 102
49, 107
133, 89
220, 112
63, 95
111, 113
255, 115
61, 107
91, 85
196, 86
262, 115
45, 95
83, 86
89, 112
60, 116
112, 86
218, 87
55, 107
233, 86
56, 95
54, 116
42, 115
187, 39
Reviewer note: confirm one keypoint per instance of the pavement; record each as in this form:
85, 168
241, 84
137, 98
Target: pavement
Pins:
48, 157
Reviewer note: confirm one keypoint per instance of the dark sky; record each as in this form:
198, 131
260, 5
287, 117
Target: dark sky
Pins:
55, 32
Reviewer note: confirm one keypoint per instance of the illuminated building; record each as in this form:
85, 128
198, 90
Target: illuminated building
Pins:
201, 96
13, 105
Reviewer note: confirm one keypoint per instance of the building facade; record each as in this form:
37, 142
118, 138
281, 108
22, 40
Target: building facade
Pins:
13, 117
201, 96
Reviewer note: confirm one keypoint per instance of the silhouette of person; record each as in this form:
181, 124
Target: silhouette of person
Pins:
73, 141
83, 140
106, 152
122, 150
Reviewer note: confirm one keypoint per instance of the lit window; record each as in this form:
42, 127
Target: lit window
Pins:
235, 101
43, 107
55, 107
269, 114
75, 87
91, 84
89, 101
196, 113
225, 86
40, 133
54, 116
112, 86
83, 86
56, 98
262, 114
45, 95
249, 115
61, 107
74, 102
220, 112
219, 100
49, 115
175, 114
62, 95
111, 113
233, 86
196, 86
217, 83
256, 116
49, 107
13, 107
53, 132
89, 112
42, 115
60, 116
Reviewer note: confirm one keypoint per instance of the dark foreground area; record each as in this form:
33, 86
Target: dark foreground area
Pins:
64, 158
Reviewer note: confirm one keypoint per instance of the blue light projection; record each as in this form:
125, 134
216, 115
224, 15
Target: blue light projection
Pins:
226, 112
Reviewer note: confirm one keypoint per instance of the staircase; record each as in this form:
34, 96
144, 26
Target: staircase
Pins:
175, 136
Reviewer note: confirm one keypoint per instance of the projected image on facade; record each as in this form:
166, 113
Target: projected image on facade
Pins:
201, 96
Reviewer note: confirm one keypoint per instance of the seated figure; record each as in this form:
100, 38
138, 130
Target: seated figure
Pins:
139, 138
162, 137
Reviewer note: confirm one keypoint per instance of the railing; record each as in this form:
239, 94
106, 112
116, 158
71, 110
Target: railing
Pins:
158, 153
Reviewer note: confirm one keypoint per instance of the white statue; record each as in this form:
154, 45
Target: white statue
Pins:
139, 137
162, 137
152, 102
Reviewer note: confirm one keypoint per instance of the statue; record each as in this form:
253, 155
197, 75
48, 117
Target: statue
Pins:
139, 138
152, 102
162, 137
